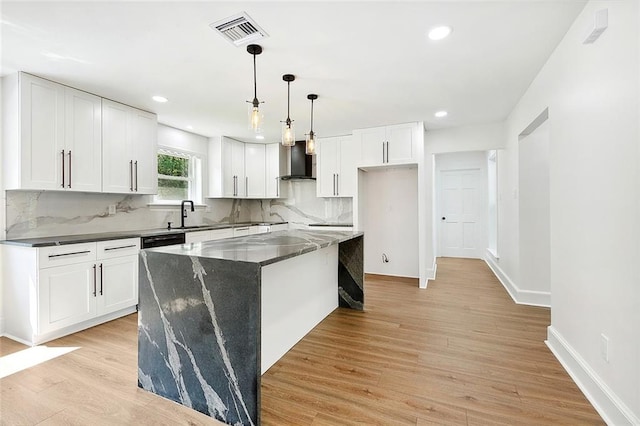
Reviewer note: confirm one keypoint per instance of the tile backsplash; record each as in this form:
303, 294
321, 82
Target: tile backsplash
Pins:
50, 213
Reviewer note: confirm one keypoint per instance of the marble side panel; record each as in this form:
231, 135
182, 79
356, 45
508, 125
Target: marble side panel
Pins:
199, 334
351, 273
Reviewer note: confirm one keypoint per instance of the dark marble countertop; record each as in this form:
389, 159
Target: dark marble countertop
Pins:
105, 236
263, 249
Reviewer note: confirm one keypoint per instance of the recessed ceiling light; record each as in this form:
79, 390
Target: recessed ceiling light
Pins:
160, 99
438, 33
260, 137
441, 114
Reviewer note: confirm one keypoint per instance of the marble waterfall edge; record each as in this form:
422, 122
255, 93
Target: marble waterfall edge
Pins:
200, 346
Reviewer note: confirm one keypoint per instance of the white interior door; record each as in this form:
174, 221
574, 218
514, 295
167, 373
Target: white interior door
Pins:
460, 214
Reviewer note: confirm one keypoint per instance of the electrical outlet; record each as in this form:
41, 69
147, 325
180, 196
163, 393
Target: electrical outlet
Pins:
604, 347
112, 209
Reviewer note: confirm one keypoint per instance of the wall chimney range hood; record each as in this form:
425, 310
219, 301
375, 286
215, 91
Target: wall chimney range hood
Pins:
301, 163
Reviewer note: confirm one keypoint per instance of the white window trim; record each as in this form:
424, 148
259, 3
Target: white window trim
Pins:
198, 187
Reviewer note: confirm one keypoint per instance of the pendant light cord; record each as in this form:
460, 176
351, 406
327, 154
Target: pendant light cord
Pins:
311, 131
288, 102
255, 84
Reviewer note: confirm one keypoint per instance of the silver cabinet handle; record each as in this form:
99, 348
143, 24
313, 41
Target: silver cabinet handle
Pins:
69, 170
131, 175
337, 184
383, 152
277, 187
387, 151
119, 247
334, 184
246, 186
94, 280
62, 152
101, 280
51, 256
136, 167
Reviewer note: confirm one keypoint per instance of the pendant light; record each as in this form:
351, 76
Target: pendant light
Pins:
310, 148
288, 129
255, 116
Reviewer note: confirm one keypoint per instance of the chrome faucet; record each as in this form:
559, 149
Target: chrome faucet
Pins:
183, 211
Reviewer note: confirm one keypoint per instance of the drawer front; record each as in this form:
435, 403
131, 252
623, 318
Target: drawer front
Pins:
70, 254
118, 248
219, 234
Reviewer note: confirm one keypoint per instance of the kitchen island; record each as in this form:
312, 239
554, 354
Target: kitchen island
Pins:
214, 316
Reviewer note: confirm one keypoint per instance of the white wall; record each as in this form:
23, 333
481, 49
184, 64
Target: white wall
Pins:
389, 204
592, 92
3, 220
534, 216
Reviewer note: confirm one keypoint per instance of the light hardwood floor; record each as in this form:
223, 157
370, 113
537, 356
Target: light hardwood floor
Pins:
460, 353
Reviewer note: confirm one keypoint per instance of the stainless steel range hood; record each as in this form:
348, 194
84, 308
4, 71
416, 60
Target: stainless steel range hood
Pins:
301, 164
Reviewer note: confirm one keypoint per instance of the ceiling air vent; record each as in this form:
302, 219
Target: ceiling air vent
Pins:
239, 29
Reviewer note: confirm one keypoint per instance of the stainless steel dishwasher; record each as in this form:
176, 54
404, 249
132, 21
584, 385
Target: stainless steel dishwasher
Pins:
163, 240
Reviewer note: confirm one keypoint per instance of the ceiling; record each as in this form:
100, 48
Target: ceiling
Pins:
370, 63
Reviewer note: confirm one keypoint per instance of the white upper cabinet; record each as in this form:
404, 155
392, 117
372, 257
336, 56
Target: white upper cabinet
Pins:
275, 155
58, 138
83, 141
129, 149
395, 144
254, 179
337, 166
51, 136
243, 170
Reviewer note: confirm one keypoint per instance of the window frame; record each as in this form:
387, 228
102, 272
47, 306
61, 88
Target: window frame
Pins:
195, 179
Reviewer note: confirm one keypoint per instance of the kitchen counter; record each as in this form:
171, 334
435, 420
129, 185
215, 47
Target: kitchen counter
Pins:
214, 316
105, 236
262, 249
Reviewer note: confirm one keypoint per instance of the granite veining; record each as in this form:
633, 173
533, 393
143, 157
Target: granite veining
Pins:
199, 324
263, 249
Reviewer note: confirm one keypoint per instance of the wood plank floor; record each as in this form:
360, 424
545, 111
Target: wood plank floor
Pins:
460, 353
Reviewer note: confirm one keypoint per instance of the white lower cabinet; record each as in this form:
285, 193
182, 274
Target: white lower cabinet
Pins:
68, 288
210, 235
65, 296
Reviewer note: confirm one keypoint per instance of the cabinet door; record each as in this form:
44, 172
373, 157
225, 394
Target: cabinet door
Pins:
228, 178
117, 158
117, 284
237, 167
144, 143
372, 142
198, 236
41, 133
272, 173
400, 138
255, 171
83, 141
349, 154
66, 295
327, 167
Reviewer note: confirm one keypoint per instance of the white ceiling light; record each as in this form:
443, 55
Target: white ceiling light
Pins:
438, 33
441, 114
160, 99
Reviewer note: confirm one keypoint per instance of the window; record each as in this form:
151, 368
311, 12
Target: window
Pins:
179, 177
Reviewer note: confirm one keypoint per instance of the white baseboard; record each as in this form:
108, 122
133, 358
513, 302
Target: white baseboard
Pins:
521, 297
604, 400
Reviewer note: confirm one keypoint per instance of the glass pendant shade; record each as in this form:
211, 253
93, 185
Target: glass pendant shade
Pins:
256, 118
310, 148
288, 134
288, 129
